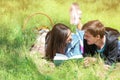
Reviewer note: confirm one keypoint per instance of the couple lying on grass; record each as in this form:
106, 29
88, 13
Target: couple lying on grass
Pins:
92, 39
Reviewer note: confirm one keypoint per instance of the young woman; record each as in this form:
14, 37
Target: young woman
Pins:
101, 40
60, 40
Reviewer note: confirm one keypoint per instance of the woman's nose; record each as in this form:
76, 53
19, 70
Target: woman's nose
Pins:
70, 38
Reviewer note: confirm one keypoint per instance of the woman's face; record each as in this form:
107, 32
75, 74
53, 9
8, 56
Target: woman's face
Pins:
69, 37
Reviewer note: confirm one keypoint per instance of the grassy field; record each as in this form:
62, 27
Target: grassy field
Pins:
16, 62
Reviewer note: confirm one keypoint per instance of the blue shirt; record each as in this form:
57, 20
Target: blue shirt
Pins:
76, 46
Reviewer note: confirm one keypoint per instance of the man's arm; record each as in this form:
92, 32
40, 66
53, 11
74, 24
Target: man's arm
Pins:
112, 52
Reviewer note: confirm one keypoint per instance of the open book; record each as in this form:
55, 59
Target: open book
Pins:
60, 58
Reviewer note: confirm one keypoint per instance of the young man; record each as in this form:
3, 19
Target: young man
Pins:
101, 40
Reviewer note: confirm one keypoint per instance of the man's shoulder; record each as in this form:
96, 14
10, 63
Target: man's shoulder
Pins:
111, 36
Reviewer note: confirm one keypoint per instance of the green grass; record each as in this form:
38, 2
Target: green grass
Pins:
16, 62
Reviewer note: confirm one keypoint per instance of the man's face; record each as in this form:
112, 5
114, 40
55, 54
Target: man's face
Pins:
90, 38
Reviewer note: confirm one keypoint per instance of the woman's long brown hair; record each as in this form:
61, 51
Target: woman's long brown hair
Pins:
56, 40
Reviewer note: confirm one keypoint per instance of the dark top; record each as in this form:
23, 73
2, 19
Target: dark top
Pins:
110, 51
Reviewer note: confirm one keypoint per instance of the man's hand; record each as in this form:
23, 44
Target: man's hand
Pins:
89, 60
106, 67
